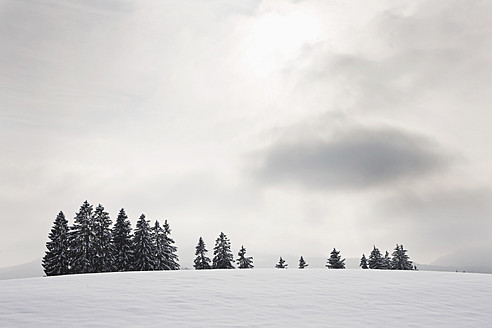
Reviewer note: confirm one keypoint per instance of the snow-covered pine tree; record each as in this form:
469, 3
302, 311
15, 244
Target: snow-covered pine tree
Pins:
302, 263
400, 260
363, 262
161, 247
122, 242
103, 259
56, 260
281, 264
171, 260
244, 262
335, 261
375, 259
143, 249
386, 262
223, 257
201, 262
81, 241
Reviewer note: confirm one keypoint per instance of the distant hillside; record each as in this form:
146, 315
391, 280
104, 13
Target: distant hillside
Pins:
469, 260
26, 270
263, 261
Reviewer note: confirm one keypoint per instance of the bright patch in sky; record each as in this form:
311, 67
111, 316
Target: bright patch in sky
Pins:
275, 38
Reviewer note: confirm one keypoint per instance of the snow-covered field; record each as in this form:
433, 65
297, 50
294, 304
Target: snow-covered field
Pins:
250, 298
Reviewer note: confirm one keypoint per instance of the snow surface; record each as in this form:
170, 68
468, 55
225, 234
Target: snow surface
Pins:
250, 298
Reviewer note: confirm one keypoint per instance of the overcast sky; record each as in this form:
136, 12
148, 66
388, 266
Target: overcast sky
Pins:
292, 126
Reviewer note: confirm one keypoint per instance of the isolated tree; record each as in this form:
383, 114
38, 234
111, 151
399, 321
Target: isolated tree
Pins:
223, 257
302, 263
171, 258
160, 244
281, 264
201, 262
122, 242
375, 259
400, 260
363, 262
56, 260
335, 261
143, 249
81, 241
386, 262
244, 262
103, 258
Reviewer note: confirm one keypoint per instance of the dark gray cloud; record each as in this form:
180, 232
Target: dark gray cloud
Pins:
354, 158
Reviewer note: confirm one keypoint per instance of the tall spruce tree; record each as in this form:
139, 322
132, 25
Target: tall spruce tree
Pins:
122, 242
56, 260
143, 249
335, 261
223, 257
386, 262
81, 241
363, 262
375, 259
400, 260
171, 258
281, 264
201, 262
103, 259
302, 263
244, 262
161, 247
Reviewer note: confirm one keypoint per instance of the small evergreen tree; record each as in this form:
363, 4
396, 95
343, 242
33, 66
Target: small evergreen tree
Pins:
400, 260
202, 262
56, 260
302, 263
281, 264
103, 259
375, 259
363, 262
335, 261
386, 262
244, 262
223, 257
171, 258
81, 241
143, 249
122, 243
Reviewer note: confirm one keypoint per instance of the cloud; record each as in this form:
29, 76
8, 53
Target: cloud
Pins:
427, 65
356, 157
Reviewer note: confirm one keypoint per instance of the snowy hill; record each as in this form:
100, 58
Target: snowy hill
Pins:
250, 298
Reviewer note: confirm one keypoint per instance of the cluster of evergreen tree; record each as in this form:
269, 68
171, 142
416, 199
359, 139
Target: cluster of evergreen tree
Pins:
223, 257
399, 260
91, 245
335, 261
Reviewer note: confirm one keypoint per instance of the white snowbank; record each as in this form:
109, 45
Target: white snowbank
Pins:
250, 298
